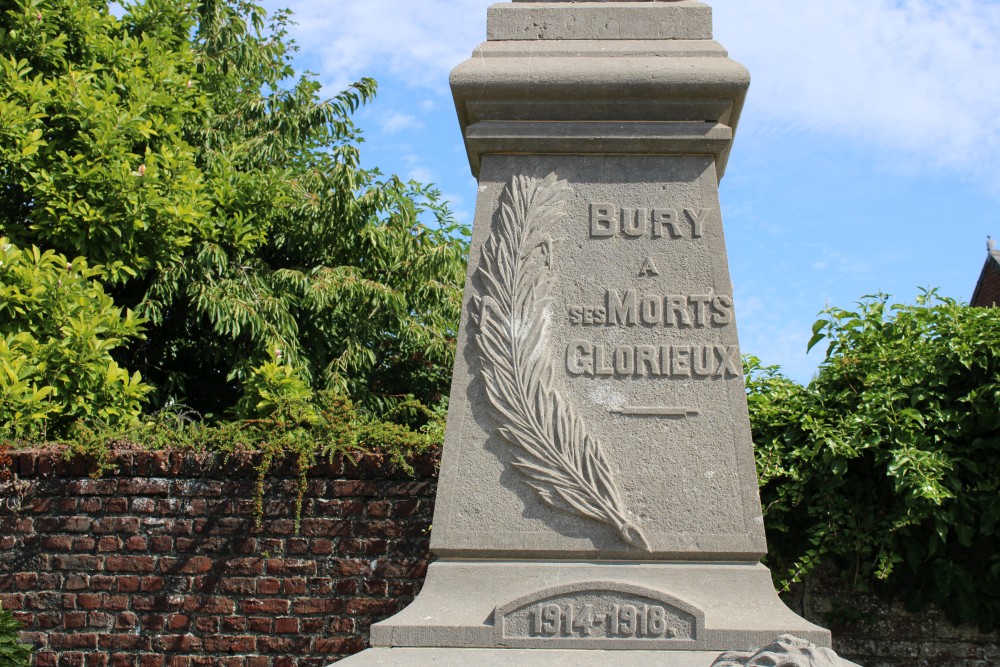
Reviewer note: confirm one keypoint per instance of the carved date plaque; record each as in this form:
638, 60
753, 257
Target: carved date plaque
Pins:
597, 614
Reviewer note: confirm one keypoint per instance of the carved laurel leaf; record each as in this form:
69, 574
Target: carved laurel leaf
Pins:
558, 458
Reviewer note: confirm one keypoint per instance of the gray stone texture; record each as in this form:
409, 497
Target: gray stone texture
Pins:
598, 20
690, 481
597, 494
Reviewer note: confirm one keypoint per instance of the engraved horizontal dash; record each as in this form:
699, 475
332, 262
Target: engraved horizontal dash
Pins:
646, 411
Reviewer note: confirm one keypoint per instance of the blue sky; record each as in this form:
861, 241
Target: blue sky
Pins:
867, 159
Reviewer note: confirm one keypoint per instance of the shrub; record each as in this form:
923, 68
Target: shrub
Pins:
58, 330
888, 462
12, 652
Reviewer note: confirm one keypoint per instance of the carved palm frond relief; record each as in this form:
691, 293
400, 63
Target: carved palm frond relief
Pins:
558, 458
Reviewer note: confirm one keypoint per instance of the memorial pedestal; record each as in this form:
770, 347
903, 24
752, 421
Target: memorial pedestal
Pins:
598, 499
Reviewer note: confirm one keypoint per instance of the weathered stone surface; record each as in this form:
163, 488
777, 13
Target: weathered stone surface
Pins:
597, 489
669, 416
705, 606
599, 20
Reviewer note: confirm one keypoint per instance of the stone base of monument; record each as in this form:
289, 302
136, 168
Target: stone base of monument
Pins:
625, 613
419, 657
654, 606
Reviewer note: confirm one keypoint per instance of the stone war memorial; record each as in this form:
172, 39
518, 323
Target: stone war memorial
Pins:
598, 499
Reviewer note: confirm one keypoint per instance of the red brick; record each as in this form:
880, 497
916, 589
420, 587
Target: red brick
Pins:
259, 624
286, 626
12, 601
141, 564
27, 619
116, 524
128, 584
238, 586
295, 586
206, 625
234, 624
289, 566
297, 546
109, 543
161, 543
74, 620
91, 487
46, 659
136, 543
268, 586
100, 619
208, 604
83, 544
59, 640
88, 600
76, 582
177, 643
197, 565
152, 622
25, 581
244, 566
115, 602
152, 584
177, 622
72, 660
115, 643
321, 547
103, 582
90, 505
339, 645
57, 542
270, 606
371, 607
115, 505
230, 644
317, 606
378, 509
126, 621
143, 487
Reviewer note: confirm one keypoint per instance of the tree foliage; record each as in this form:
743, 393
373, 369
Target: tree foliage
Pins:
12, 652
57, 332
223, 198
888, 462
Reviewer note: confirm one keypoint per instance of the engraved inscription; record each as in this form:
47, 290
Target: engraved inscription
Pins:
584, 358
609, 615
649, 269
631, 309
608, 221
646, 411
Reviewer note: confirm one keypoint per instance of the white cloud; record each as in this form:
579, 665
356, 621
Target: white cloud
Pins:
921, 78
417, 41
398, 121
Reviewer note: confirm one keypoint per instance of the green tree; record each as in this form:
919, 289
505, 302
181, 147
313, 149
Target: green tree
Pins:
888, 462
57, 331
224, 201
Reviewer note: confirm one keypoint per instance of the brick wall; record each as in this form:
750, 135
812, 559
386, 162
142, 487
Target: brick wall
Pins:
876, 632
162, 566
